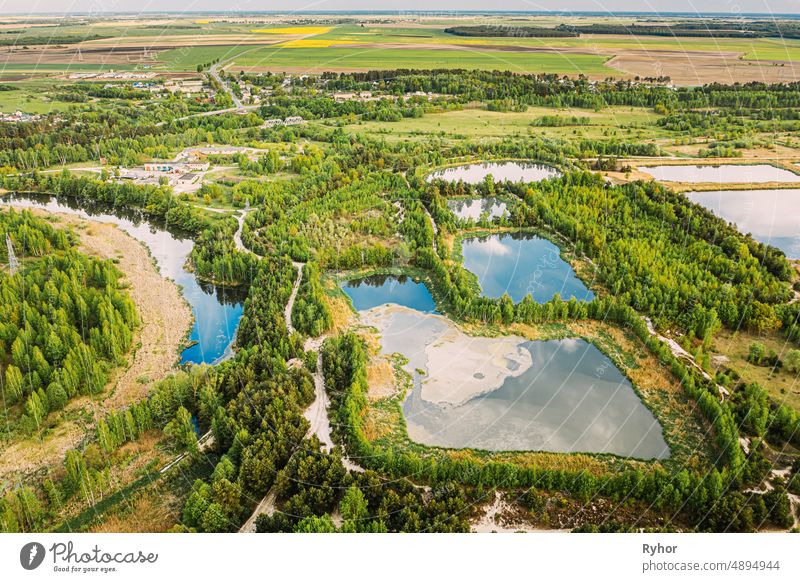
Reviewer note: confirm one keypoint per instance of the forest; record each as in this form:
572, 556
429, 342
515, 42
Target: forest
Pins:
333, 201
66, 322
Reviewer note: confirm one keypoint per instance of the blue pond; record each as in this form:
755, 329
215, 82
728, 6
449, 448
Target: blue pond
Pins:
519, 264
216, 310
771, 216
375, 290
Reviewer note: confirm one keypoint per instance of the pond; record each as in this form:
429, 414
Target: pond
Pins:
512, 394
375, 290
771, 216
521, 263
500, 171
474, 208
217, 310
724, 174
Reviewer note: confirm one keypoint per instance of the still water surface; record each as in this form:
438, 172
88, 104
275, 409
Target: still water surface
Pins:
375, 290
500, 171
217, 310
724, 174
521, 263
771, 216
474, 208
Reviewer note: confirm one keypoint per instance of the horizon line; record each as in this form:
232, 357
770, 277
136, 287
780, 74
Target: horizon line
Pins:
443, 12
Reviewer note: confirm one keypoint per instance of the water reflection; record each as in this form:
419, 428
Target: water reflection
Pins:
771, 216
520, 263
475, 392
216, 310
475, 208
500, 171
728, 173
375, 290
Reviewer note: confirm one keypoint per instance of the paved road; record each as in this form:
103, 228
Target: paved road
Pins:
214, 72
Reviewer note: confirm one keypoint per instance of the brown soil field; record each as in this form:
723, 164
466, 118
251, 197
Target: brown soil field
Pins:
163, 42
68, 55
698, 67
165, 321
470, 47
119, 51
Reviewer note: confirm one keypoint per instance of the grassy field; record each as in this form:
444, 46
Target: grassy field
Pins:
613, 121
32, 96
360, 58
187, 58
781, 384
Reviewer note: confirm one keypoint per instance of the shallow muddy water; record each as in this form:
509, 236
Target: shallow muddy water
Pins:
509, 393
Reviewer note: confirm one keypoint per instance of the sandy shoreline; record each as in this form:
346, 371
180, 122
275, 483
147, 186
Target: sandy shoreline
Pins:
458, 367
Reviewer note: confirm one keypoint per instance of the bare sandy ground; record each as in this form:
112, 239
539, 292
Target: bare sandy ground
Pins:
165, 320
457, 367
461, 367
499, 519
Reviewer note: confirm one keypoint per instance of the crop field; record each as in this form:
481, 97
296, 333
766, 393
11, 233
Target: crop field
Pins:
303, 60
182, 44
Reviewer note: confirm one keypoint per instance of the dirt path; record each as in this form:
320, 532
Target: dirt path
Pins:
317, 413
287, 313
267, 506
768, 485
492, 521
237, 236
165, 320
317, 416
435, 230
682, 354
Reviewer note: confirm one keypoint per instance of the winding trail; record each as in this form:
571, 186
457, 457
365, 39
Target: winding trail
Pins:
237, 236
435, 229
682, 354
767, 486
316, 414
287, 313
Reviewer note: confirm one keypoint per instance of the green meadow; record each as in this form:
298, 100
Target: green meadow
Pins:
341, 58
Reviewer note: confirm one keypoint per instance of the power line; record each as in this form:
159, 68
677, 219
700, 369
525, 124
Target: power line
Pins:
13, 263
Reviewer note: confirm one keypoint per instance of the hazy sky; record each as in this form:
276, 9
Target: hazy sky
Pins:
99, 6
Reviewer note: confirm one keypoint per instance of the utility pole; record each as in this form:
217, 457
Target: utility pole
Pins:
13, 263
